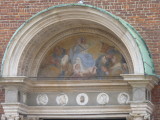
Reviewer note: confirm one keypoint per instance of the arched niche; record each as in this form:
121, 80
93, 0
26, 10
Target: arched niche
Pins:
30, 43
96, 44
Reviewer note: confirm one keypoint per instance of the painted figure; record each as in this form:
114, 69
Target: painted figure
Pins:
83, 62
81, 71
84, 58
80, 47
111, 63
103, 62
58, 54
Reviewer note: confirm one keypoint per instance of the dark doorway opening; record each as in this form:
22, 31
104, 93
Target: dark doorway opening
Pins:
89, 119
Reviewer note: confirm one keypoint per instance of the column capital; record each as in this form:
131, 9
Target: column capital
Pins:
140, 116
11, 117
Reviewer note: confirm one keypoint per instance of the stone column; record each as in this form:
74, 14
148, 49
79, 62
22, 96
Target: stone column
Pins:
141, 86
13, 111
141, 105
11, 96
15, 103
141, 110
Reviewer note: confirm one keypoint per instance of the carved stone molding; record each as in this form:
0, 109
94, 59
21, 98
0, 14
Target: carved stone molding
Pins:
140, 80
141, 110
139, 117
30, 84
12, 117
65, 111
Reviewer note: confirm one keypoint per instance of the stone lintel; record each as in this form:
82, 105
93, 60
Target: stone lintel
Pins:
135, 110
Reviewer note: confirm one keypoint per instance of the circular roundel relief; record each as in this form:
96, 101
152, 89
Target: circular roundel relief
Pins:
62, 99
102, 98
82, 99
42, 99
123, 98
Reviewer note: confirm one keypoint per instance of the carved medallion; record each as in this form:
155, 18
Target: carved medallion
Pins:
123, 98
42, 99
102, 98
62, 99
82, 99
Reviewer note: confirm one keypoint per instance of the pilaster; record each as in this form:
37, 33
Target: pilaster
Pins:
141, 86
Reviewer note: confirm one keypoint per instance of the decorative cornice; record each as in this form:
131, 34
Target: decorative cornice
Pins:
141, 80
44, 85
143, 109
14, 108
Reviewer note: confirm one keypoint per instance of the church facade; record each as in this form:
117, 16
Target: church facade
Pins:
80, 60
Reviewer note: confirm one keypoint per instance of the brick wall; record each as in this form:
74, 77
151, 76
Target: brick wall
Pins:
143, 15
1, 99
156, 101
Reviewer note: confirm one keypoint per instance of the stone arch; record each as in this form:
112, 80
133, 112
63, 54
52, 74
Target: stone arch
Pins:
27, 42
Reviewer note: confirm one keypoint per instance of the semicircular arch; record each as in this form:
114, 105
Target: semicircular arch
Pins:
44, 21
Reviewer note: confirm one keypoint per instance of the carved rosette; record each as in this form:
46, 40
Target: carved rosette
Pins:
62, 99
42, 99
102, 98
123, 98
82, 99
